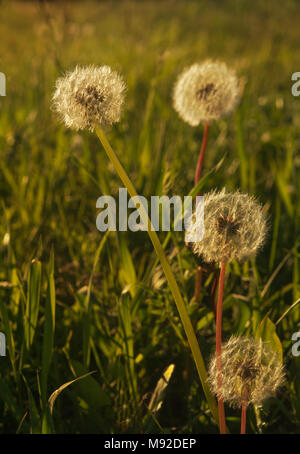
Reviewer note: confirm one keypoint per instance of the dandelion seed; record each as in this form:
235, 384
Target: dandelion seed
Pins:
88, 96
234, 227
206, 92
251, 372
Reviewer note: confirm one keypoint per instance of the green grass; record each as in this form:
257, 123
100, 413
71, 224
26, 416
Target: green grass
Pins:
74, 301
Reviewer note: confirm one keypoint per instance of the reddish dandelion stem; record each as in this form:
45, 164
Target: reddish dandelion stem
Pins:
244, 411
221, 409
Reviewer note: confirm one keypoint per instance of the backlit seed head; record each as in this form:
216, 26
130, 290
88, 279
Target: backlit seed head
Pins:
205, 92
247, 364
88, 96
235, 227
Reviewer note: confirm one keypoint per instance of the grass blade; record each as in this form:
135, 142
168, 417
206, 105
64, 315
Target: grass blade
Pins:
185, 319
32, 302
88, 306
49, 329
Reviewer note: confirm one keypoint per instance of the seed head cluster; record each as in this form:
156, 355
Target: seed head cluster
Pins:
88, 96
234, 227
205, 92
247, 364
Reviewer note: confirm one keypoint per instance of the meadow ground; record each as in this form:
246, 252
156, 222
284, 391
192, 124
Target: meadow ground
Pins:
114, 312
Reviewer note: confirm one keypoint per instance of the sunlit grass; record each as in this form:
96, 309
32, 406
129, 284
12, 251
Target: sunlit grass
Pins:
105, 315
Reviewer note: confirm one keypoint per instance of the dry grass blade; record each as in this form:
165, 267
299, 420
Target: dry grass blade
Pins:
288, 310
158, 394
272, 277
57, 392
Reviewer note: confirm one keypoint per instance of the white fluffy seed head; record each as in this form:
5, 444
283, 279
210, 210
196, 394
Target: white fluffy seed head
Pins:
247, 364
235, 227
206, 92
88, 96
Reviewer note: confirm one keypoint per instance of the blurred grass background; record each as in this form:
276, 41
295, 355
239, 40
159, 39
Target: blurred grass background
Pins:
73, 300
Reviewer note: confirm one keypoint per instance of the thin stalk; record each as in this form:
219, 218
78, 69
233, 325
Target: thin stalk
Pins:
185, 319
244, 410
201, 155
213, 292
221, 409
198, 281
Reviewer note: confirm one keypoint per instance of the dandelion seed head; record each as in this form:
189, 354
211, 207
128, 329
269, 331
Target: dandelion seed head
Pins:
250, 364
235, 227
88, 96
206, 92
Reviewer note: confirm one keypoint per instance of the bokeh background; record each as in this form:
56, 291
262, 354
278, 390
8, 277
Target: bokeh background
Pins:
114, 313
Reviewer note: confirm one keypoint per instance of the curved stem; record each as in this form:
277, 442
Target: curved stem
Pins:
190, 333
221, 409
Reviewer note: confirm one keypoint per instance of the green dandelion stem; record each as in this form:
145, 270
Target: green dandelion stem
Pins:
168, 272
